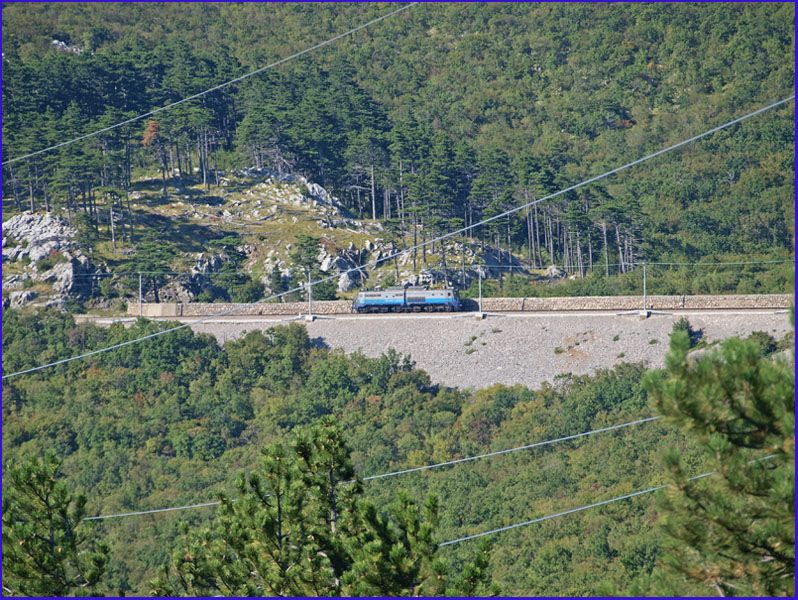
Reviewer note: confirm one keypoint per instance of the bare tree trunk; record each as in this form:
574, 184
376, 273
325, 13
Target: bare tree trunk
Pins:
539, 260
445, 266
627, 243
205, 180
621, 266
94, 210
111, 218
215, 165
171, 161
30, 189
606, 249
15, 185
424, 245
462, 264
528, 228
402, 202
509, 248
69, 205
471, 220
128, 165
415, 243
373, 196
162, 154
179, 160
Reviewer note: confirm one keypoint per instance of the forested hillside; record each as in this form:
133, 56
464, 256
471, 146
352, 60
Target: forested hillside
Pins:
175, 420
428, 121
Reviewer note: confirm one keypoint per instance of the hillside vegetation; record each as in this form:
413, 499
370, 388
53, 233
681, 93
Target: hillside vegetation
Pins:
426, 122
173, 421
430, 120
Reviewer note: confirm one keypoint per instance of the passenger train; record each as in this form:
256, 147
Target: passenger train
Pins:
407, 299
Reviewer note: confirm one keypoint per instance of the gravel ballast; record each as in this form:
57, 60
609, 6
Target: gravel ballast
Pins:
527, 348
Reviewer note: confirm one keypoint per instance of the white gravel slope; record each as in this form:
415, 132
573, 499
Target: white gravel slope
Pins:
514, 348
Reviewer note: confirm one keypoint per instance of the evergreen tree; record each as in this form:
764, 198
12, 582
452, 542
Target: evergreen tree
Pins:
45, 552
735, 531
301, 527
276, 283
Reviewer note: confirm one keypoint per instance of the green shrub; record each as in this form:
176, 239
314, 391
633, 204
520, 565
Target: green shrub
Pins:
765, 341
107, 287
49, 261
251, 291
694, 335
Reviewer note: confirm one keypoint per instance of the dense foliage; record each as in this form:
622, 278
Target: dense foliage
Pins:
173, 421
47, 550
430, 120
735, 531
301, 527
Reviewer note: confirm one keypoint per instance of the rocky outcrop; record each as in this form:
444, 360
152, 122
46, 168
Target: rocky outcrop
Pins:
71, 277
21, 298
345, 262
35, 236
208, 263
46, 246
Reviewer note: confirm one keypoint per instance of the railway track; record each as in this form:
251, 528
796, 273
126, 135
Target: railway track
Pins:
527, 348
249, 318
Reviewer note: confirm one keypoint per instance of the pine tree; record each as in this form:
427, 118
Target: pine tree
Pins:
734, 531
301, 527
45, 552
276, 283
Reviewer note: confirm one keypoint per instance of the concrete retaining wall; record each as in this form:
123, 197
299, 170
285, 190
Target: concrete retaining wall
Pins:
636, 303
621, 303
203, 309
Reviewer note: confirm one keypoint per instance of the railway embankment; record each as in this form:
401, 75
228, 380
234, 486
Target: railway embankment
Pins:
558, 304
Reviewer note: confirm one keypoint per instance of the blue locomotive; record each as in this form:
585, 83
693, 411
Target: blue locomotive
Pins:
407, 299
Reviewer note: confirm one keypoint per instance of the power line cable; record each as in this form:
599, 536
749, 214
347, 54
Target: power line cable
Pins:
405, 471
510, 450
559, 514
715, 264
215, 88
149, 512
427, 242
579, 509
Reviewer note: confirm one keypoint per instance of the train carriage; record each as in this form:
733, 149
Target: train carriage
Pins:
407, 299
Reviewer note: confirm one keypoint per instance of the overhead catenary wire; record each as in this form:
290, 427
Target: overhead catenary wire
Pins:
152, 511
427, 242
405, 471
560, 514
216, 87
563, 513
720, 263
510, 450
